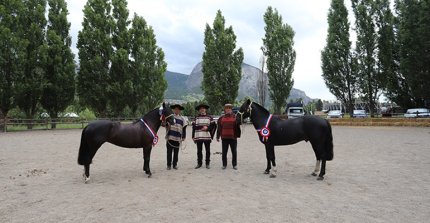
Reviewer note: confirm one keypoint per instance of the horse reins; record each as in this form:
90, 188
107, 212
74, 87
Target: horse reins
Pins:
249, 110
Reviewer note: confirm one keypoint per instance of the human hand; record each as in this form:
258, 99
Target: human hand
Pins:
205, 128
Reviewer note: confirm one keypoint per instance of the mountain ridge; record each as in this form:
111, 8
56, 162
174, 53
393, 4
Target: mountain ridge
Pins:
180, 85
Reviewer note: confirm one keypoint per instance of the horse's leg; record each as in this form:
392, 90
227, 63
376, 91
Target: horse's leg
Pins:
92, 150
147, 158
269, 166
144, 160
272, 159
317, 168
322, 173
86, 175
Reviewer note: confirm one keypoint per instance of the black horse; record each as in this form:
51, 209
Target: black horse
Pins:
142, 133
273, 131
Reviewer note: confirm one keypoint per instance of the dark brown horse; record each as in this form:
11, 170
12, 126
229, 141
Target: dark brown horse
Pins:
273, 131
142, 133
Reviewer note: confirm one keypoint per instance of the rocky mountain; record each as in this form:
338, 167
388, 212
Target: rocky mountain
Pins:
181, 85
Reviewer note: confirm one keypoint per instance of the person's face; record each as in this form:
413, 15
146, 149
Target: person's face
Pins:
228, 110
202, 110
177, 111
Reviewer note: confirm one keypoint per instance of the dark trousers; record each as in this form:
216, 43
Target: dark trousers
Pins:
207, 144
172, 147
233, 145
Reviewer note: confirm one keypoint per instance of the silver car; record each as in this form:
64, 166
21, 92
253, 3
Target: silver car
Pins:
417, 113
359, 114
335, 114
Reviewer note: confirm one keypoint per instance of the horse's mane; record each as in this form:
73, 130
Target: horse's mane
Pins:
261, 107
147, 115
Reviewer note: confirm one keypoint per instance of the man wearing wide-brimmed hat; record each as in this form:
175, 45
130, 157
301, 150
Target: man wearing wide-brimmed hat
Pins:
176, 133
228, 131
203, 131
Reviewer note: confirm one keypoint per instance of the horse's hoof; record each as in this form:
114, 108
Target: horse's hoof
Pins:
272, 176
314, 174
85, 178
148, 173
266, 171
320, 178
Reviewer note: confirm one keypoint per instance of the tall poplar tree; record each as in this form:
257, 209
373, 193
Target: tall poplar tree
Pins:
95, 53
337, 57
30, 84
12, 53
59, 90
120, 79
147, 67
414, 56
221, 66
281, 57
366, 50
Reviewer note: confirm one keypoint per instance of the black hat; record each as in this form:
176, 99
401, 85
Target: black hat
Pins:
202, 106
177, 106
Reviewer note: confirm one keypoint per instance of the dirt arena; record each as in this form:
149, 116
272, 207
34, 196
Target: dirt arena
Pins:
379, 174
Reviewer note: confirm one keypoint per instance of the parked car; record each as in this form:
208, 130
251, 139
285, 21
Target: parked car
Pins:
359, 114
335, 114
294, 110
417, 113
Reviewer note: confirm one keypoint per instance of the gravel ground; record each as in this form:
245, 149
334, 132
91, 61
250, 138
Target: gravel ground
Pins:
379, 174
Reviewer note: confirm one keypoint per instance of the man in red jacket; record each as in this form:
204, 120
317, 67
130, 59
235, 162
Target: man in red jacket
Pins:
228, 131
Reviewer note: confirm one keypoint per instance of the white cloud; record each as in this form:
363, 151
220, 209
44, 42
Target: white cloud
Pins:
179, 27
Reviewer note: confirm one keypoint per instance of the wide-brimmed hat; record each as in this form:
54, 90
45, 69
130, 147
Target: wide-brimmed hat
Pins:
228, 106
202, 106
177, 106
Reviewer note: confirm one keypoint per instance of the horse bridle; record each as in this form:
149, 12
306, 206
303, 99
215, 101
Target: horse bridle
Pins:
248, 110
163, 117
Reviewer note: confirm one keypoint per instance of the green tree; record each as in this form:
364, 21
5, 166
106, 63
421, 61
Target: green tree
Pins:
366, 51
221, 66
319, 105
337, 57
95, 53
147, 67
413, 36
281, 56
31, 84
120, 79
387, 53
12, 52
59, 90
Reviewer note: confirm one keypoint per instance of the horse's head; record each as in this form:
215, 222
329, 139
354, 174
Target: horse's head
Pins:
244, 111
166, 114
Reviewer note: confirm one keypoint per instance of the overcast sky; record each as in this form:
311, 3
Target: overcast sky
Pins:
179, 27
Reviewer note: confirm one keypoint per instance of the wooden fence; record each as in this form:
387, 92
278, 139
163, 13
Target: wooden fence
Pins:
76, 123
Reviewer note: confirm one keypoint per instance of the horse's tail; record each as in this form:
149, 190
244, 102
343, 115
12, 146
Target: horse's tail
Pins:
84, 150
329, 143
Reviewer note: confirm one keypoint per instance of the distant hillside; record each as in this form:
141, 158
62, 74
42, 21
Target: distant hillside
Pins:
176, 85
181, 85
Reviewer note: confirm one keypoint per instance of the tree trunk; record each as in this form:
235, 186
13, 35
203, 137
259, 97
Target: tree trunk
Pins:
29, 121
3, 123
53, 122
